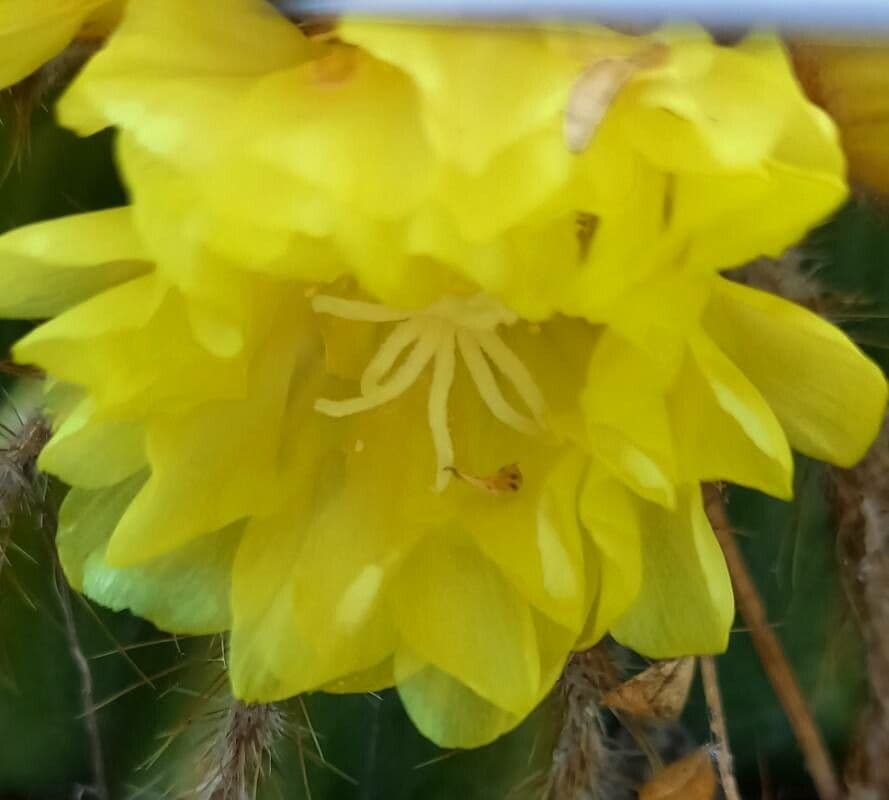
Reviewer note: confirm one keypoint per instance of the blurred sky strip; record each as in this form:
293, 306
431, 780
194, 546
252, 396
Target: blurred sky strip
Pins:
842, 16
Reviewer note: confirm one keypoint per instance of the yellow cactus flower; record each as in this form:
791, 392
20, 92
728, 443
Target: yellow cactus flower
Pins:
367, 496
408, 359
850, 80
340, 508
469, 155
33, 31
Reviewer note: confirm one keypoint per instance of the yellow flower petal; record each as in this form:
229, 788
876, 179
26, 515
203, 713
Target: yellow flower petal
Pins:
828, 396
708, 105
779, 205
309, 583
451, 714
191, 458
446, 62
742, 143
610, 515
34, 31
310, 134
133, 345
449, 627
50, 266
725, 428
237, 228
121, 443
186, 591
447, 711
534, 539
626, 416
158, 79
307, 613
685, 604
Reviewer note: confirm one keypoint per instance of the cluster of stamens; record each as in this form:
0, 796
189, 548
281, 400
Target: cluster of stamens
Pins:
434, 335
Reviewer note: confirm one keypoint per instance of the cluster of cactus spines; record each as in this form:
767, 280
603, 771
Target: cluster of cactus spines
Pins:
862, 505
580, 755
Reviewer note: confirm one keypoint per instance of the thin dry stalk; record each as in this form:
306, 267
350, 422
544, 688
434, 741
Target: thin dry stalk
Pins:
99, 787
771, 655
20, 459
719, 729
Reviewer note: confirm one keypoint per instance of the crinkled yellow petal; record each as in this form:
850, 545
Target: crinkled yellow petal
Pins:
312, 135
659, 314
520, 184
242, 228
447, 711
828, 396
533, 534
627, 242
220, 462
34, 31
113, 312
452, 626
133, 346
186, 591
624, 404
534, 539
779, 204
723, 427
685, 604
708, 108
170, 67
308, 593
47, 267
610, 516
308, 611
798, 182
447, 61
437, 208
741, 140
90, 452
451, 714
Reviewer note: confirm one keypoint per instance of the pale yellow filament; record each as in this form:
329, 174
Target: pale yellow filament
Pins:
434, 335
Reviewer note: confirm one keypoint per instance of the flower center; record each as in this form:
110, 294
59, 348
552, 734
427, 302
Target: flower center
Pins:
434, 335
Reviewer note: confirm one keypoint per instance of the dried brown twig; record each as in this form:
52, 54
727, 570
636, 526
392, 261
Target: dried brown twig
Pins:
99, 787
718, 727
771, 654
